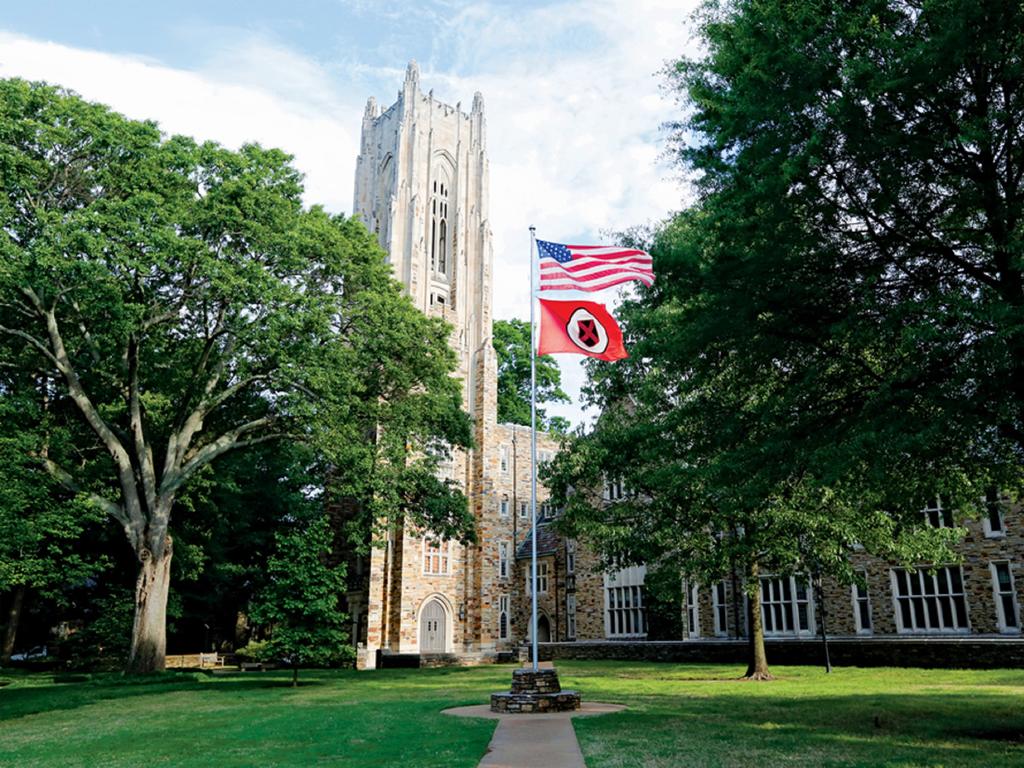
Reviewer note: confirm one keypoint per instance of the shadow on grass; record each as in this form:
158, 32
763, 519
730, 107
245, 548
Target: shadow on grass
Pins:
849, 729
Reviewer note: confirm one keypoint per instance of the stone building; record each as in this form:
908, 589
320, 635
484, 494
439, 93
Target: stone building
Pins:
422, 187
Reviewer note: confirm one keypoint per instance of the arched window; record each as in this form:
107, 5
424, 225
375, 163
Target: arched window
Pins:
439, 224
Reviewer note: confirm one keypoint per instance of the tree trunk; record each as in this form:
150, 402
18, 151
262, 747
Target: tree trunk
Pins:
757, 666
13, 619
295, 675
149, 631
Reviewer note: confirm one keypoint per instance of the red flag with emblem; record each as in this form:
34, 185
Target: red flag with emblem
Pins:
581, 328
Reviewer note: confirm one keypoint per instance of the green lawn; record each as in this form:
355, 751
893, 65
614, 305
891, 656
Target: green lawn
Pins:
679, 715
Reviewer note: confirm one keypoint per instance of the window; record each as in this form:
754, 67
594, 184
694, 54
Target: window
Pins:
938, 516
625, 611
435, 557
524, 510
503, 458
503, 617
1006, 598
625, 615
570, 616
570, 556
542, 578
720, 610
503, 550
993, 521
692, 611
861, 605
503, 506
785, 606
930, 601
439, 226
614, 489
545, 510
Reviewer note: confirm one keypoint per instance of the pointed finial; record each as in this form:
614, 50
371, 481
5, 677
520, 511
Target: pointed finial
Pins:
371, 108
478, 102
412, 72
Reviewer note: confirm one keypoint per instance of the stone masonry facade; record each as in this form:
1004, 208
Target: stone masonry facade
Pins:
422, 187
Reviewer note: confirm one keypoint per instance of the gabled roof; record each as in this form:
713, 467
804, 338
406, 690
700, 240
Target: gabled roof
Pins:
548, 542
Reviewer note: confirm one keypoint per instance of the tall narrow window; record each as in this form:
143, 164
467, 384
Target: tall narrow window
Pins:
861, 604
692, 611
503, 617
570, 616
993, 522
503, 549
720, 610
524, 510
503, 458
1006, 598
439, 240
503, 506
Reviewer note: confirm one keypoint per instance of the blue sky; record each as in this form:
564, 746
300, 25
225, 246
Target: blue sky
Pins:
572, 91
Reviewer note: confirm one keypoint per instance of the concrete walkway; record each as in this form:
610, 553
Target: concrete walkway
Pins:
534, 741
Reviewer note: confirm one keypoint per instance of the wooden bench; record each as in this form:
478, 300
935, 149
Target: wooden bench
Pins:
210, 660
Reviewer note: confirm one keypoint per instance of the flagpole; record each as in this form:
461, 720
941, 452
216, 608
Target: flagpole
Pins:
533, 453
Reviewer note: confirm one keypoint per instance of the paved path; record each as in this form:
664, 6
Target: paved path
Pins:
534, 741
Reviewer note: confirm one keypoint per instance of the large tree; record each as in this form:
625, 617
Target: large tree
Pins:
184, 304
835, 335
512, 343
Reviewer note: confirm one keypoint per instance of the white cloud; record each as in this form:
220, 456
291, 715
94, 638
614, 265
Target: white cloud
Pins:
244, 95
572, 99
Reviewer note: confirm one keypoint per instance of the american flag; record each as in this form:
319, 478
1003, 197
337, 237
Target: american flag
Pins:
590, 267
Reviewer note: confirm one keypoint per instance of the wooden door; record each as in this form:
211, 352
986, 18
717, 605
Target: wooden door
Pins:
432, 628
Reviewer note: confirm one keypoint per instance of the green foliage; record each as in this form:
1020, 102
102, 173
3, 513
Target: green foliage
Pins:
836, 333
298, 602
172, 302
511, 339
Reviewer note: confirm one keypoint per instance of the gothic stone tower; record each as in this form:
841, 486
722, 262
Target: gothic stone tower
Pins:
422, 188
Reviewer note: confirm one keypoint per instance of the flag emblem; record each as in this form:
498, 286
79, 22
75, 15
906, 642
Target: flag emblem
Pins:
579, 327
586, 332
590, 267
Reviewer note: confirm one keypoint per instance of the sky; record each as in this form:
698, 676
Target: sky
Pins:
573, 91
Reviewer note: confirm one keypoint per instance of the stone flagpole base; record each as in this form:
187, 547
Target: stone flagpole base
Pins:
535, 692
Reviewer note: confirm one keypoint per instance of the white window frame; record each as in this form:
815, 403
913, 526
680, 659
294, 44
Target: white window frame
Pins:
570, 556
998, 595
786, 609
943, 516
691, 593
503, 506
939, 578
436, 557
1000, 504
570, 617
614, 489
625, 612
503, 617
503, 458
542, 578
858, 599
720, 608
524, 510
503, 559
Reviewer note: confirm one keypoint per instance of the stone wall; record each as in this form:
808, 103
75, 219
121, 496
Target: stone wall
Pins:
977, 653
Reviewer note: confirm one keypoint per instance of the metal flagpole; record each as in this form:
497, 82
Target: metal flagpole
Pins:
533, 453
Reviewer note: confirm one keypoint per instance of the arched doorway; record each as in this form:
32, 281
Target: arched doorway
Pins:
433, 627
543, 629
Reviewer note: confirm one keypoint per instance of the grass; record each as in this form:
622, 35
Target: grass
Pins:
679, 715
